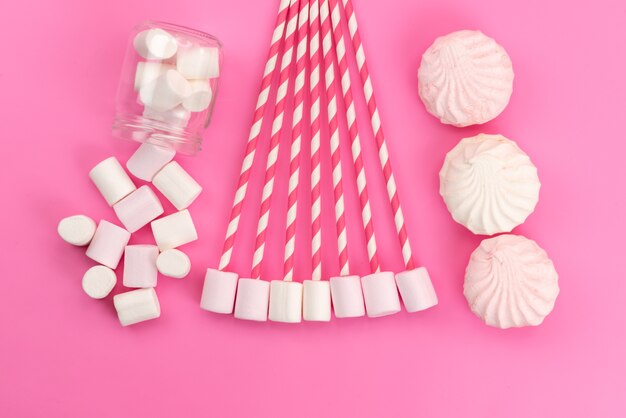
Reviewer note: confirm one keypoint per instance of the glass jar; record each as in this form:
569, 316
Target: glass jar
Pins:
168, 86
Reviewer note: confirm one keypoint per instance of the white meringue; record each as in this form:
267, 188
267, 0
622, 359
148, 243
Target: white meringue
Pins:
465, 78
489, 184
510, 282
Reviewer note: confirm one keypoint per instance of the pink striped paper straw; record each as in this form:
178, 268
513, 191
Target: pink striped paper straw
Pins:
296, 138
279, 109
383, 153
314, 88
255, 130
357, 157
331, 98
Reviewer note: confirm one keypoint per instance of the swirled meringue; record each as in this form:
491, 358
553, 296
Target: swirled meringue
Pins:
465, 78
489, 184
510, 282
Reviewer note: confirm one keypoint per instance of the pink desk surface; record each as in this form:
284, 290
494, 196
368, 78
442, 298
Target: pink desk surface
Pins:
65, 355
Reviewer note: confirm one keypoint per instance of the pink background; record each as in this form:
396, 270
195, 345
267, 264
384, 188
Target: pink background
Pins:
63, 354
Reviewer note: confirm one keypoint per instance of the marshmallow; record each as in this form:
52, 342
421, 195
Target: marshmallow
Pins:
198, 63
218, 293
148, 71
148, 160
77, 230
347, 296
200, 97
177, 117
155, 44
111, 180
173, 263
253, 298
174, 230
177, 185
138, 209
380, 294
98, 282
137, 306
316, 301
285, 301
166, 92
416, 289
107, 244
140, 266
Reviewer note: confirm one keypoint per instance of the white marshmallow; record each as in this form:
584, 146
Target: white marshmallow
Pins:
77, 230
200, 97
196, 63
166, 92
285, 301
148, 71
174, 230
177, 117
137, 306
138, 208
140, 265
218, 292
107, 244
155, 44
111, 180
252, 301
177, 185
148, 160
316, 301
347, 296
98, 282
380, 294
416, 289
173, 263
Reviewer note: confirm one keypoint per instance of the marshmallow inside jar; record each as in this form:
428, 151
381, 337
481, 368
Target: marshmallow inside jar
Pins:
168, 86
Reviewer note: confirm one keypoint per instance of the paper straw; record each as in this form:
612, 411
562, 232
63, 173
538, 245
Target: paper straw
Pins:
255, 130
296, 138
314, 88
383, 153
357, 157
331, 98
279, 109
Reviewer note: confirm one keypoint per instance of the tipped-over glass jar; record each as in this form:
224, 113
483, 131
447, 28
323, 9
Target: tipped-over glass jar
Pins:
168, 86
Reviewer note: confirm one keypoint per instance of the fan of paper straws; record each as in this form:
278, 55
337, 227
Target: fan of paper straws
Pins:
316, 27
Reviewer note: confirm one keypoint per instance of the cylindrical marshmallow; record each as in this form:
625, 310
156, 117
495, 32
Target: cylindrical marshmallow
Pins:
77, 230
137, 306
200, 97
416, 289
178, 117
140, 266
107, 244
166, 92
347, 296
174, 230
111, 180
218, 293
380, 294
98, 282
138, 208
148, 71
316, 301
173, 263
253, 298
155, 44
148, 160
196, 63
177, 185
285, 301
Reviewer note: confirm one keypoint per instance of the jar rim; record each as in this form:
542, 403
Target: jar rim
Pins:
181, 28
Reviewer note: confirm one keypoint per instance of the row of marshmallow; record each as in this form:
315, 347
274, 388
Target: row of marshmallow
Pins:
290, 302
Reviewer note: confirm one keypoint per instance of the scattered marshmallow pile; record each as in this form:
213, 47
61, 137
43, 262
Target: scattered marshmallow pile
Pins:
175, 78
135, 208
